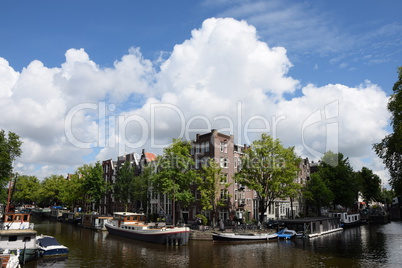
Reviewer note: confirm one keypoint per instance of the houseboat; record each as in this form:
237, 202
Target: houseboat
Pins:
133, 225
70, 217
312, 227
17, 235
95, 221
22, 242
347, 219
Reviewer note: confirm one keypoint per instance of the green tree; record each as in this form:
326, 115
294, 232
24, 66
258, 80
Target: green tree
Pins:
26, 190
123, 189
317, 194
72, 193
340, 178
386, 196
210, 182
50, 190
175, 174
94, 184
10, 149
142, 185
268, 168
390, 148
370, 185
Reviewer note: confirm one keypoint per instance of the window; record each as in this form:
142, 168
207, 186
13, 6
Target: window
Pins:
12, 238
224, 178
224, 162
224, 147
197, 148
224, 194
207, 147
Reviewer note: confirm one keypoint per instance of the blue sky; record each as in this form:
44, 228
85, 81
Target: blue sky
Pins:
132, 54
347, 41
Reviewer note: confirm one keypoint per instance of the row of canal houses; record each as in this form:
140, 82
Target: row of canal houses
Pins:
241, 202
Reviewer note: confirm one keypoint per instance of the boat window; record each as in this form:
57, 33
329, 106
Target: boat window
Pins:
27, 239
12, 238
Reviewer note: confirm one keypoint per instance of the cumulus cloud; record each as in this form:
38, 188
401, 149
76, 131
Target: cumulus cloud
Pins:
222, 77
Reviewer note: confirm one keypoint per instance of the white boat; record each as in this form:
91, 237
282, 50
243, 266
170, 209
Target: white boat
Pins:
22, 241
133, 225
347, 219
247, 237
49, 246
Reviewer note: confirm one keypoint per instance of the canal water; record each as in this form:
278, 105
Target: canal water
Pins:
364, 246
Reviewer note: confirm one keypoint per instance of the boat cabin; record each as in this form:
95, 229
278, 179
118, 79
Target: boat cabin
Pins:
129, 217
12, 220
345, 217
13, 239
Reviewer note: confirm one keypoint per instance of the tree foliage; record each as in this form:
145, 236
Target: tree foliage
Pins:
317, 194
340, 178
210, 182
10, 149
390, 148
123, 189
94, 184
370, 185
51, 189
270, 169
142, 185
26, 190
73, 191
175, 173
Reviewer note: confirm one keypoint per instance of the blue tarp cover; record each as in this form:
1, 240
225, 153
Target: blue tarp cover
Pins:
48, 241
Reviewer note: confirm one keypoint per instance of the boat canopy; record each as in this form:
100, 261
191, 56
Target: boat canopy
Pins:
48, 241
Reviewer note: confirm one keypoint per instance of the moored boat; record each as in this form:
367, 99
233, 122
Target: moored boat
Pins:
246, 237
49, 246
286, 234
347, 219
133, 225
22, 241
94, 221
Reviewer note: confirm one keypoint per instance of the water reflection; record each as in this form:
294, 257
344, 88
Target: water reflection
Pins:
365, 246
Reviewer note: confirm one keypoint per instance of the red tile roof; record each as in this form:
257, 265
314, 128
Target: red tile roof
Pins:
150, 157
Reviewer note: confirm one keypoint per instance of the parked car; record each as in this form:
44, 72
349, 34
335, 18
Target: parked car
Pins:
273, 224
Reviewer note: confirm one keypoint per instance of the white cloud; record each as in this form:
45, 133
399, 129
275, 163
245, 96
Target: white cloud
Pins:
223, 77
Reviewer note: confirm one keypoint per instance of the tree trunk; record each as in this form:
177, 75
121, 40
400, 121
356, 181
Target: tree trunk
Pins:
262, 209
174, 211
291, 208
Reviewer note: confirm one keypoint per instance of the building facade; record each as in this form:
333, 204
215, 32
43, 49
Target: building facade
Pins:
241, 203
